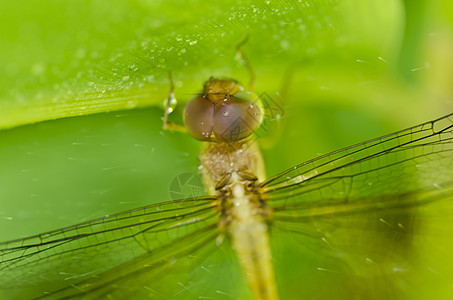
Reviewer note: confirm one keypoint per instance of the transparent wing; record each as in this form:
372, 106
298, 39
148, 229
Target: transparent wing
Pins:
408, 161
373, 214
91, 257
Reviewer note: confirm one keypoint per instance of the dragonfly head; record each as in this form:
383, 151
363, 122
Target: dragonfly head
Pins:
223, 112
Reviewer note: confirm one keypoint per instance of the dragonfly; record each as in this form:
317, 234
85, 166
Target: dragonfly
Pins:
361, 214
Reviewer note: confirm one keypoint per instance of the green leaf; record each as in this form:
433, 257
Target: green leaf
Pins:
71, 58
80, 58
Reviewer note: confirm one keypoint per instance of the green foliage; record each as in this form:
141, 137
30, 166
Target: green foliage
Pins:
73, 58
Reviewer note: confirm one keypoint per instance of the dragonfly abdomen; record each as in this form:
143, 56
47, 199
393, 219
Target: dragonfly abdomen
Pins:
250, 238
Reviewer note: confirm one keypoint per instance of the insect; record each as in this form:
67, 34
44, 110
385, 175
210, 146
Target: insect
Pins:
387, 187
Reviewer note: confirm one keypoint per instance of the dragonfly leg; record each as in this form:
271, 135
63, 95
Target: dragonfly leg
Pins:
241, 55
273, 110
169, 105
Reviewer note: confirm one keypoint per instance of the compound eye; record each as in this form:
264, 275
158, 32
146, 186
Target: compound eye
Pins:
237, 117
198, 118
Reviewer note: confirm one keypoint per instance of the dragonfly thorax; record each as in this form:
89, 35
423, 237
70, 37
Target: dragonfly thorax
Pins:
219, 161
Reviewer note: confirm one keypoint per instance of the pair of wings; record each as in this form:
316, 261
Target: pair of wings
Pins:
367, 211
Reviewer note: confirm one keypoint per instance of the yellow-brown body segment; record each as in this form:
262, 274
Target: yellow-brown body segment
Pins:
233, 170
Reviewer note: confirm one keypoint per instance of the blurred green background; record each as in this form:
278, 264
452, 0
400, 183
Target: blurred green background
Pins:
82, 85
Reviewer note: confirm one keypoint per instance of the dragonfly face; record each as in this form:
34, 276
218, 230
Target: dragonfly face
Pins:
370, 219
223, 112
